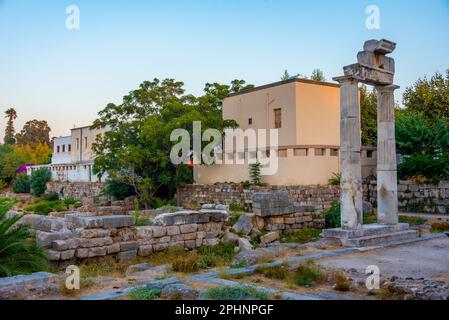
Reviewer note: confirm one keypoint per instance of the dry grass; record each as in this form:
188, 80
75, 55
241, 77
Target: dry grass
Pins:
104, 266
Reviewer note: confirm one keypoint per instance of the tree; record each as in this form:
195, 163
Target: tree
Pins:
18, 255
39, 179
285, 76
136, 150
10, 161
317, 75
11, 115
38, 154
429, 97
33, 133
21, 184
424, 146
368, 116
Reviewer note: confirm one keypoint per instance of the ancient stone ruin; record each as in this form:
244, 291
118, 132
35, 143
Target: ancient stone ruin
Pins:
373, 68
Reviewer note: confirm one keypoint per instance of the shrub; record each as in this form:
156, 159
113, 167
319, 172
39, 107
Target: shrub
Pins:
18, 255
44, 207
235, 293
38, 181
413, 221
439, 226
72, 202
254, 173
186, 263
144, 293
21, 184
341, 282
335, 179
301, 236
160, 203
332, 216
218, 255
50, 196
308, 275
118, 190
235, 207
275, 272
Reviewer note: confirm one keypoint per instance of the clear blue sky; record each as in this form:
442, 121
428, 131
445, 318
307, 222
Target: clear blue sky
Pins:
66, 77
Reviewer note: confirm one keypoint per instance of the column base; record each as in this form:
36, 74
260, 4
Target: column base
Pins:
371, 234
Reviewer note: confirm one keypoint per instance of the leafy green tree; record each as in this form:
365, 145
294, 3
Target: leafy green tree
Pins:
21, 184
39, 179
18, 255
424, 146
11, 115
10, 160
34, 132
136, 150
429, 97
368, 116
317, 75
118, 190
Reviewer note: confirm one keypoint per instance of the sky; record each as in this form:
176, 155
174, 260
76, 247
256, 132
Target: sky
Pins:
66, 76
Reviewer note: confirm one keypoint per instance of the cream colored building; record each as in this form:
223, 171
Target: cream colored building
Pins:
307, 115
73, 158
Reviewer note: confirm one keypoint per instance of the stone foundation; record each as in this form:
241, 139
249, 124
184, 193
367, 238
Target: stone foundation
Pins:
81, 236
87, 192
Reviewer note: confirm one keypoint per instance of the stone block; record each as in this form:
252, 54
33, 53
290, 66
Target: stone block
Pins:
82, 253
128, 246
67, 255
159, 231
126, 255
178, 237
92, 233
94, 242
269, 237
211, 242
178, 291
144, 232
173, 230
45, 239
145, 251
62, 245
190, 236
243, 225
113, 248
118, 221
190, 244
188, 228
164, 239
97, 252
53, 255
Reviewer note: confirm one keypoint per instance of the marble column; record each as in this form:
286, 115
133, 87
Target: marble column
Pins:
351, 197
387, 184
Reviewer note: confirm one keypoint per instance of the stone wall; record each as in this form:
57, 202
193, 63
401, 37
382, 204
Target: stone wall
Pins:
321, 197
80, 235
87, 192
413, 197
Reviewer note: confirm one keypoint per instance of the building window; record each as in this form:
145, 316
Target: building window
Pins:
334, 152
252, 155
63, 148
69, 147
85, 142
320, 152
277, 118
301, 152
241, 155
58, 149
369, 153
77, 143
282, 153
250, 121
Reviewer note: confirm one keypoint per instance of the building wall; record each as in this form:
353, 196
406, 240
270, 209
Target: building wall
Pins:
82, 139
62, 147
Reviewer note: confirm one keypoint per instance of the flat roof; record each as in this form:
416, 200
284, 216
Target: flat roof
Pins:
279, 83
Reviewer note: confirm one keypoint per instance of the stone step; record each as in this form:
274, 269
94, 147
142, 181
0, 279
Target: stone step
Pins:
367, 230
379, 239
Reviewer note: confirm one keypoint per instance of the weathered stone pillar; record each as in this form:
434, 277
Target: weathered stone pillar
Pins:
351, 200
387, 185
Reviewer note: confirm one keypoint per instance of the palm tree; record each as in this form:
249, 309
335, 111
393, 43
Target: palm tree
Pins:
11, 115
18, 254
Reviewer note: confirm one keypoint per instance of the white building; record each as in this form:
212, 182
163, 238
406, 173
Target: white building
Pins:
72, 158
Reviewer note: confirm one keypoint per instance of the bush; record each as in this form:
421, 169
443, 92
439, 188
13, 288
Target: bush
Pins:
332, 216
71, 201
275, 272
308, 275
17, 254
144, 293
189, 263
21, 184
235, 207
235, 293
118, 190
39, 179
160, 203
50, 196
44, 207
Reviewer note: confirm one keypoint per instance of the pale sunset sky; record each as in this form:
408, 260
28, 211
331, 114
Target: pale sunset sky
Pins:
66, 76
